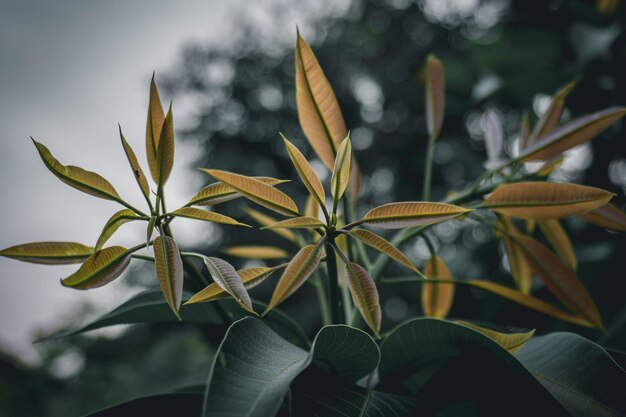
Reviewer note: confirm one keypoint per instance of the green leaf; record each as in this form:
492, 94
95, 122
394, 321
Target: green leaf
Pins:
410, 214
154, 125
305, 171
49, 253
207, 216
219, 192
225, 276
510, 341
150, 230
136, 168
384, 246
99, 269
364, 295
165, 150
114, 223
341, 170
169, 270
251, 277
435, 95
185, 404
256, 252
303, 222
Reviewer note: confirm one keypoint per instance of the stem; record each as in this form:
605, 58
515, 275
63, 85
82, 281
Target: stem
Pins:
130, 206
428, 169
318, 283
333, 284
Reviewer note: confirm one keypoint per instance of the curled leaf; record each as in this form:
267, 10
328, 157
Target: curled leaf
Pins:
510, 341
251, 277
136, 168
207, 216
114, 223
154, 125
437, 298
256, 252
435, 96
608, 216
169, 270
410, 214
266, 221
226, 277
341, 171
559, 240
384, 246
305, 171
49, 253
297, 223
364, 295
99, 269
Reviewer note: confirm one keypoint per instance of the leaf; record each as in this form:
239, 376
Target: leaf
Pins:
296, 273
298, 223
169, 270
341, 171
520, 270
99, 269
559, 240
85, 181
383, 246
251, 277
435, 96
150, 230
570, 134
311, 208
207, 216
552, 116
545, 200
257, 191
524, 132
510, 341
226, 277
165, 149
154, 125
135, 167
318, 110
256, 252
305, 171
49, 253
265, 220
185, 404
364, 295
437, 298
114, 223
410, 214
559, 279
607, 216
218, 192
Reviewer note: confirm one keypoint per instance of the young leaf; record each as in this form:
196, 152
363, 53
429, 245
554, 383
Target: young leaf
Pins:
559, 279
85, 181
165, 149
297, 223
571, 134
435, 96
311, 208
226, 277
49, 253
364, 295
99, 269
266, 221
437, 298
169, 270
608, 216
257, 191
318, 110
207, 216
306, 172
410, 214
256, 252
520, 269
134, 165
218, 192
114, 223
251, 277
296, 273
552, 116
341, 171
384, 246
154, 125
545, 200
510, 341
150, 230
559, 240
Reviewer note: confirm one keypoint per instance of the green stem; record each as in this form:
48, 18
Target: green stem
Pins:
428, 169
130, 206
318, 283
333, 284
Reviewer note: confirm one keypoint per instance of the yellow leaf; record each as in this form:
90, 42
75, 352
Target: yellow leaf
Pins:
207, 216
510, 341
437, 298
383, 246
560, 242
410, 214
545, 200
608, 216
364, 295
306, 172
99, 269
154, 125
297, 223
49, 253
256, 252
257, 191
552, 116
265, 220
251, 277
435, 96
296, 273
341, 171
169, 270
165, 150
226, 277
520, 269
114, 223
318, 110
218, 192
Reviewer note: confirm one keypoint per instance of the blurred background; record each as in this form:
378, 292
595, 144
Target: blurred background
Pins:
70, 71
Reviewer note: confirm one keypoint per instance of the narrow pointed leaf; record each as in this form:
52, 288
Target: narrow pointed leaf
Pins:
364, 295
226, 277
559, 240
251, 277
608, 216
297, 223
85, 181
296, 273
256, 252
154, 125
265, 220
318, 110
410, 214
150, 230
257, 191
207, 216
165, 149
305, 171
311, 208
510, 341
524, 132
550, 119
99, 269
384, 246
140, 177
520, 269
437, 298
435, 96
570, 134
545, 200
49, 253
341, 171
114, 223
218, 192
169, 270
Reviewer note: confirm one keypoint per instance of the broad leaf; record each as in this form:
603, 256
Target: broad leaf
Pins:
608, 216
437, 298
49, 253
257, 191
552, 116
559, 240
85, 181
226, 277
306, 172
545, 200
410, 214
364, 295
256, 252
298, 223
510, 341
341, 170
520, 270
251, 277
154, 125
207, 216
165, 150
99, 269
384, 246
140, 177
296, 273
218, 192
169, 270
435, 96
114, 223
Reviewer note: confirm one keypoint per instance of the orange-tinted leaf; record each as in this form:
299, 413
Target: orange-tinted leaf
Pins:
364, 295
410, 214
251, 277
560, 242
142, 181
311, 208
383, 246
550, 119
608, 216
207, 216
99, 269
169, 269
520, 269
256, 252
218, 192
114, 223
341, 170
306, 172
154, 125
165, 149
226, 277
49, 253
266, 221
435, 95
437, 298
297, 223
